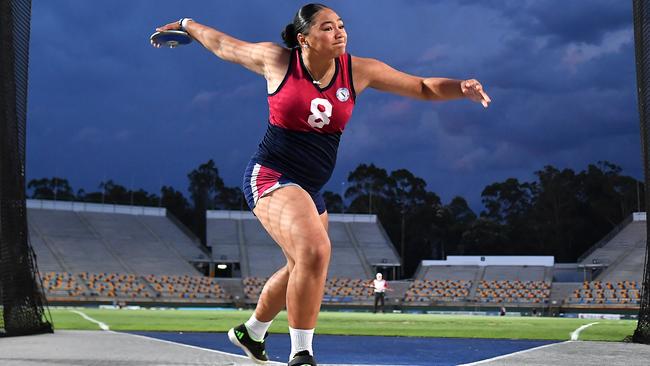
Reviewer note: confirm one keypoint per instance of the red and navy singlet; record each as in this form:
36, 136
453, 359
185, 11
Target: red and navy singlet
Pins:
306, 122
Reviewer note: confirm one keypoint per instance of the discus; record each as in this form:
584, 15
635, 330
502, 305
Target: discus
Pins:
170, 38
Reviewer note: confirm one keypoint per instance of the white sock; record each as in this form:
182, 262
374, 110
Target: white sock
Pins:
301, 341
256, 328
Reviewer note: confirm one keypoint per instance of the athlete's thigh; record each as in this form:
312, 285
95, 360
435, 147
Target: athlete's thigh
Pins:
291, 218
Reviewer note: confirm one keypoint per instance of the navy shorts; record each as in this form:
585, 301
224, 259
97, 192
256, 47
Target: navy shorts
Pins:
260, 180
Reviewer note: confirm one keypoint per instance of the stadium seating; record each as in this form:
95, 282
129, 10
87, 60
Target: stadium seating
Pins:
253, 287
238, 236
80, 241
504, 291
629, 236
129, 254
337, 290
374, 243
114, 285
187, 287
426, 291
61, 284
88, 286
223, 238
607, 293
341, 290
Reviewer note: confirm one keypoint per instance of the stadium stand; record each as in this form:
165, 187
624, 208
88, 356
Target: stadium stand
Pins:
621, 255
518, 273
68, 238
223, 238
337, 290
628, 266
47, 259
91, 238
610, 293
491, 284
187, 287
374, 243
358, 242
345, 290
100, 253
264, 257
166, 229
457, 272
428, 291
509, 291
624, 237
87, 286
114, 285
62, 285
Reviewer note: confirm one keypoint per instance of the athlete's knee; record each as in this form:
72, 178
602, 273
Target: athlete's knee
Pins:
315, 257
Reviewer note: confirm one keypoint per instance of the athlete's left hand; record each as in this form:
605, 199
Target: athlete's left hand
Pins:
473, 90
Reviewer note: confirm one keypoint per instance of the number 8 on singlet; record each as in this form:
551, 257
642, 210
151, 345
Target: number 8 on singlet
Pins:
321, 109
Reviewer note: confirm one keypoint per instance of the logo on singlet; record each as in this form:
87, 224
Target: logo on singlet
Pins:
343, 94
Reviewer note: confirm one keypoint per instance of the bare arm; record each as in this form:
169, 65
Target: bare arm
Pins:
265, 58
377, 75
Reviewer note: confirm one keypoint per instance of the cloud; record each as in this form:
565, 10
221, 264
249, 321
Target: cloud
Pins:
561, 75
561, 21
612, 42
88, 134
244, 91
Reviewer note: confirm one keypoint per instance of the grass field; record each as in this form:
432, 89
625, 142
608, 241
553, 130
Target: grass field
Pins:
342, 323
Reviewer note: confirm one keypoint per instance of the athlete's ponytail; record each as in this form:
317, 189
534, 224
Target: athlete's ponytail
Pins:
301, 24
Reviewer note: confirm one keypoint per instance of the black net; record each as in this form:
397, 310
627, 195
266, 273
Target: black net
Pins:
21, 296
642, 45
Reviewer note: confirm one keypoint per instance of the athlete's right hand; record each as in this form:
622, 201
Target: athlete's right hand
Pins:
166, 27
171, 26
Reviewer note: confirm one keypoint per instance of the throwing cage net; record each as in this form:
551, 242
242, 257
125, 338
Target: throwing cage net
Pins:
21, 296
642, 46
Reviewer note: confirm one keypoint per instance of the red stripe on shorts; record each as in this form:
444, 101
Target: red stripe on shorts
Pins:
266, 178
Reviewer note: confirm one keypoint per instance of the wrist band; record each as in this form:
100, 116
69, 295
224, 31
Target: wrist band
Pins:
183, 22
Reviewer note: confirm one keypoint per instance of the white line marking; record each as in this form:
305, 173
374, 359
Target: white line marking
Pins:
194, 347
576, 333
512, 354
101, 325
223, 353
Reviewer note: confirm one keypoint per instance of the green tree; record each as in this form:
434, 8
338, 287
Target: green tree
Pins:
333, 202
409, 213
114, 193
205, 183
508, 206
51, 189
458, 218
367, 189
176, 204
610, 195
230, 198
484, 237
558, 213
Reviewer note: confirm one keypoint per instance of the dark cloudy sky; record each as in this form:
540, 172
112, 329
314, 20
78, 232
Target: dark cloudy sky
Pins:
103, 104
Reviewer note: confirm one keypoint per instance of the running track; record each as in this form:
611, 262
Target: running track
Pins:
365, 350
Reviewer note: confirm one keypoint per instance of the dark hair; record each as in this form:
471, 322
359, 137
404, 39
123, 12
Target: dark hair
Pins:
301, 24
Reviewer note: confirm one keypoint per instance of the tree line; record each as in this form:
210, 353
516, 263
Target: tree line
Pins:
560, 213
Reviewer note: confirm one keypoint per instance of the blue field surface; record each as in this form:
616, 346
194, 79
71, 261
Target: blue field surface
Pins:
366, 350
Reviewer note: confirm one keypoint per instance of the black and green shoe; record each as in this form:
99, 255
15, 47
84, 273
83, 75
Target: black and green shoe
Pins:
302, 358
254, 349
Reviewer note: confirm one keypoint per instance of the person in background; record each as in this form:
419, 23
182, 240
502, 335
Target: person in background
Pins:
380, 287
